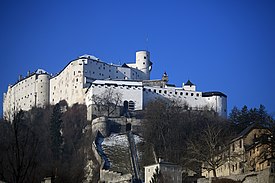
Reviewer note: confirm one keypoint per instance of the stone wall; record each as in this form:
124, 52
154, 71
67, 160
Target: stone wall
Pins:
264, 176
110, 176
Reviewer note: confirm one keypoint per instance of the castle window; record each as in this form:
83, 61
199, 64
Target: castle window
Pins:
165, 92
186, 93
241, 143
144, 57
131, 105
79, 71
176, 93
149, 90
192, 94
180, 93
155, 91
159, 91
109, 70
143, 63
116, 71
198, 95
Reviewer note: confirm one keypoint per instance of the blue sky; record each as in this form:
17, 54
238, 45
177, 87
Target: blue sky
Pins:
226, 46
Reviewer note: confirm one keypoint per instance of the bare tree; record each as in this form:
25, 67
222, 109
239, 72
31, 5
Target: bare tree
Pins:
207, 148
20, 152
107, 102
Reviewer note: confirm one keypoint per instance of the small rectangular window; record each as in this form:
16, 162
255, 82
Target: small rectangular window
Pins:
240, 143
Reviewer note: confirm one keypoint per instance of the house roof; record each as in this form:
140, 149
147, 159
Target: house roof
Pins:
248, 129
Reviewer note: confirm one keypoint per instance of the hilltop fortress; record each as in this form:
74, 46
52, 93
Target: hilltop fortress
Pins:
87, 76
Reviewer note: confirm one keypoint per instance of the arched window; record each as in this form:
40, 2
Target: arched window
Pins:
125, 106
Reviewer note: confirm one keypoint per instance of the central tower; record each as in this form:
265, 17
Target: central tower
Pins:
143, 63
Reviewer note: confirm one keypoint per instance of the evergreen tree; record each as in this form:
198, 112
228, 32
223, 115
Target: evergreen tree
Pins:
157, 177
55, 132
245, 117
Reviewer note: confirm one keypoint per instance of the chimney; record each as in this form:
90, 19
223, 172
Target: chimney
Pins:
20, 77
29, 73
160, 159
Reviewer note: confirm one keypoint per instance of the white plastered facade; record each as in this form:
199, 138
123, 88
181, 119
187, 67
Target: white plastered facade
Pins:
28, 92
87, 75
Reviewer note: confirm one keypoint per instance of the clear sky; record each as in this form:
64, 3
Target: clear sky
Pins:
221, 45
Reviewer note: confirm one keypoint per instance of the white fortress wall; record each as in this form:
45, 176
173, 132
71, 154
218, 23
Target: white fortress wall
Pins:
89, 73
195, 100
68, 84
96, 69
216, 101
27, 93
129, 90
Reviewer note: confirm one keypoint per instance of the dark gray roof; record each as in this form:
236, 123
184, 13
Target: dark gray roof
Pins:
189, 83
125, 65
213, 93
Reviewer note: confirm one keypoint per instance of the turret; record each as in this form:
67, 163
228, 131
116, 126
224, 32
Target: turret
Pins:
143, 63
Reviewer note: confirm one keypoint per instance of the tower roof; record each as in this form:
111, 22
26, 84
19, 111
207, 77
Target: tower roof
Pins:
189, 83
